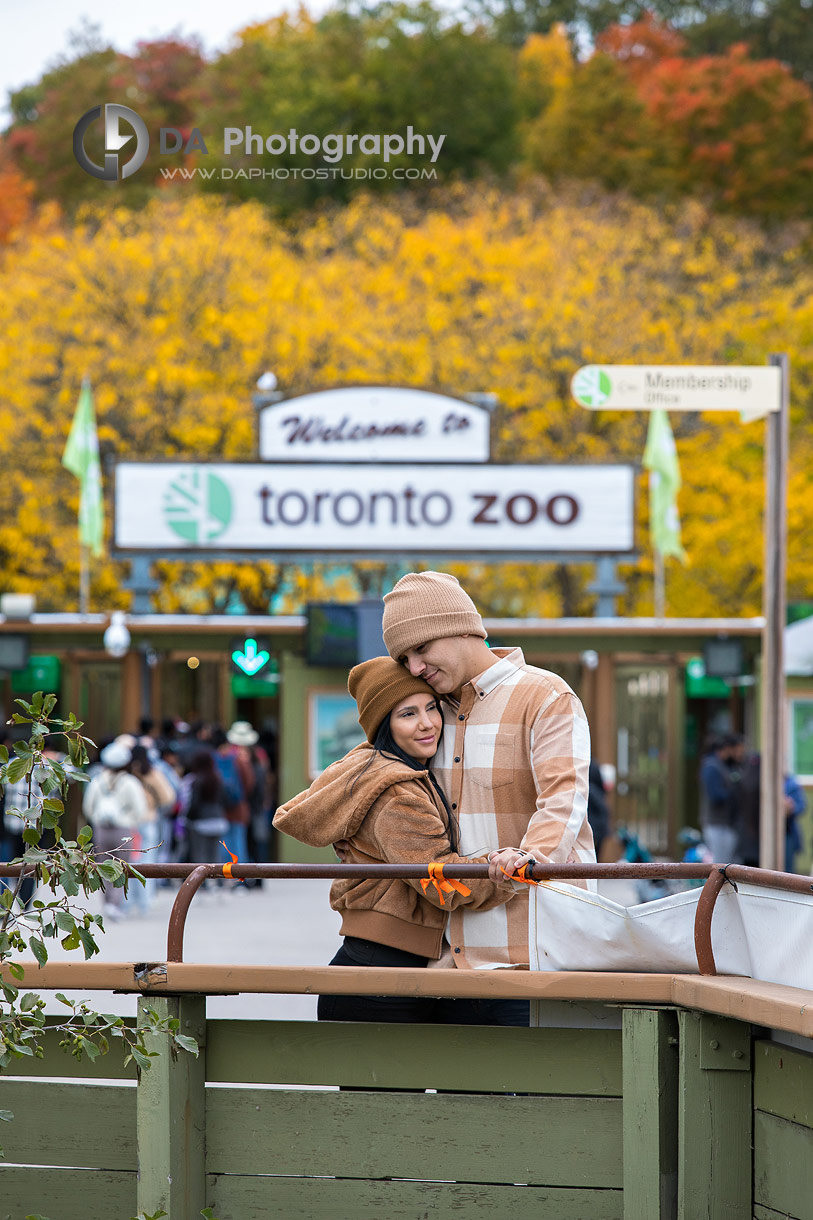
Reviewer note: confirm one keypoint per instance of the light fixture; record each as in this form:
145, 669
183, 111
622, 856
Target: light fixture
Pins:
117, 637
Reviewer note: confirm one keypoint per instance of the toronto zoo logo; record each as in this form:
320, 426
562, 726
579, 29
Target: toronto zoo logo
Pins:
114, 139
197, 506
591, 386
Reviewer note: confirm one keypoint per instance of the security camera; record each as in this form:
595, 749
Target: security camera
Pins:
267, 382
117, 637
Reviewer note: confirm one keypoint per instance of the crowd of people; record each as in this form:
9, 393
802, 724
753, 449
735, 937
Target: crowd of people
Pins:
195, 793
730, 803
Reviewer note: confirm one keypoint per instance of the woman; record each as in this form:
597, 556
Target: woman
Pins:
383, 800
203, 806
115, 805
160, 799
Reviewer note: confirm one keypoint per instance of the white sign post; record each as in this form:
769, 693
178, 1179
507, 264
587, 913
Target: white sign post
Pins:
754, 391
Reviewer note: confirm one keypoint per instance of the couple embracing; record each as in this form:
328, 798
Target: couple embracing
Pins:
471, 754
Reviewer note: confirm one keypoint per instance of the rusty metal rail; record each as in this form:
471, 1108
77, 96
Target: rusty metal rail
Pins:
192, 876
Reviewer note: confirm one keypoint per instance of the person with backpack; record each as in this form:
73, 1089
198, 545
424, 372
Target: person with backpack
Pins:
115, 805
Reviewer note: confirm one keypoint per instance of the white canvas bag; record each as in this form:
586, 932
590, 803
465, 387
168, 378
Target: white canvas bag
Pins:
571, 929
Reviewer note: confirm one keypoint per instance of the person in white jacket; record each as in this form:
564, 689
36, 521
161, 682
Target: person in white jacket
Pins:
114, 804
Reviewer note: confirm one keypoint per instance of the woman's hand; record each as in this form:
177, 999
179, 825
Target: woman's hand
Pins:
508, 859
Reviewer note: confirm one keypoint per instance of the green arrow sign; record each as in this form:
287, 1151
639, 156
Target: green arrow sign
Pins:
250, 659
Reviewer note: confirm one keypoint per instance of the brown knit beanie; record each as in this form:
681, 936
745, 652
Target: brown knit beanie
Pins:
378, 686
426, 606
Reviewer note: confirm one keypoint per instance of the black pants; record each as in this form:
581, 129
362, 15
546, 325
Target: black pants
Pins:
415, 1009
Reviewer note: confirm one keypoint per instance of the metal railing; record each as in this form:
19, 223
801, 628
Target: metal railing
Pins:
192, 877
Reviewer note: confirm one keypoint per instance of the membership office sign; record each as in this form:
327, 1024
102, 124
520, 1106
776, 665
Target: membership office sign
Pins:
188, 507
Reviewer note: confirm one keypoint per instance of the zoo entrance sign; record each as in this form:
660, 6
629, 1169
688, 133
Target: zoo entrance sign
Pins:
318, 508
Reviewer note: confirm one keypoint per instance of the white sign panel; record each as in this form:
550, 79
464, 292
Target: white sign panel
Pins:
751, 389
229, 507
374, 424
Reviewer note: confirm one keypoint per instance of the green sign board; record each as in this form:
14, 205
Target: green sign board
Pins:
700, 686
264, 686
43, 672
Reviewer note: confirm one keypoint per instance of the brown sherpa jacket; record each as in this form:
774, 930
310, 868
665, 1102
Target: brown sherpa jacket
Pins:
389, 814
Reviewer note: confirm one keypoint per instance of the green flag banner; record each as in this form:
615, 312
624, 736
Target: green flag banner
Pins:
661, 460
81, 457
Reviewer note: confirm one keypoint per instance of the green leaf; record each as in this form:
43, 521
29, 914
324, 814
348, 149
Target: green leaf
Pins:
38, 949
111, 870
29, 1001
6, 898
85, 836
71, 942
188, 1044
88, 943
31, 836
90, 1049
54, 804
69, 880
63, 999
141, 1059
16, 970
16, 769
65, 921
3, 754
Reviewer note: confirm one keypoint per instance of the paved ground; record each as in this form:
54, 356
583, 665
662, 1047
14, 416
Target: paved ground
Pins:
284, 923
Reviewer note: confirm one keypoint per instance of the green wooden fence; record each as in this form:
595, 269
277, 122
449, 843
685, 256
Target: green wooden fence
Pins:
666, 1113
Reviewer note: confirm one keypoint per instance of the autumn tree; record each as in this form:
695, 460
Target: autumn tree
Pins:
743, 129
173, 312
158, 82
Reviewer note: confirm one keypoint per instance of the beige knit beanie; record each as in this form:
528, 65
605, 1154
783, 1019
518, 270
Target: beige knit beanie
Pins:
378, 686
426, 606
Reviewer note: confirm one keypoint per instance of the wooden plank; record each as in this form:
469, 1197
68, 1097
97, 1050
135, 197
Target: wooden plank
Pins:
59, 1063
349, 980
548, 1141
481, 1059
783, 1082
171, 1122
70, 975
236, 1198
783, 1166
714, 1127
769, 1004
89, 1125
650, 1114
67, 1194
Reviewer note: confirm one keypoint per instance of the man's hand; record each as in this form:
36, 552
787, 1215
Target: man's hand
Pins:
508, 859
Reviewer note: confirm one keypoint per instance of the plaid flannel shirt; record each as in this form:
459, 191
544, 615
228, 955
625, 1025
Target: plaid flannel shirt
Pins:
513, 762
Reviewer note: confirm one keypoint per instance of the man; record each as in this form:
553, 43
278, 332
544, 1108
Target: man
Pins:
720, 815
513, 760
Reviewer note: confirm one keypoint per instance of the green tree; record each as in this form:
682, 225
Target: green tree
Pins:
70, 870
374, 71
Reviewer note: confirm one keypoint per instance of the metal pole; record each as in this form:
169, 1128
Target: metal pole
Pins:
660, 585
84, 578
772, 712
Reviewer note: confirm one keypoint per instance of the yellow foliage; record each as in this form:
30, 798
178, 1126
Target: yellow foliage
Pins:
173, 313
